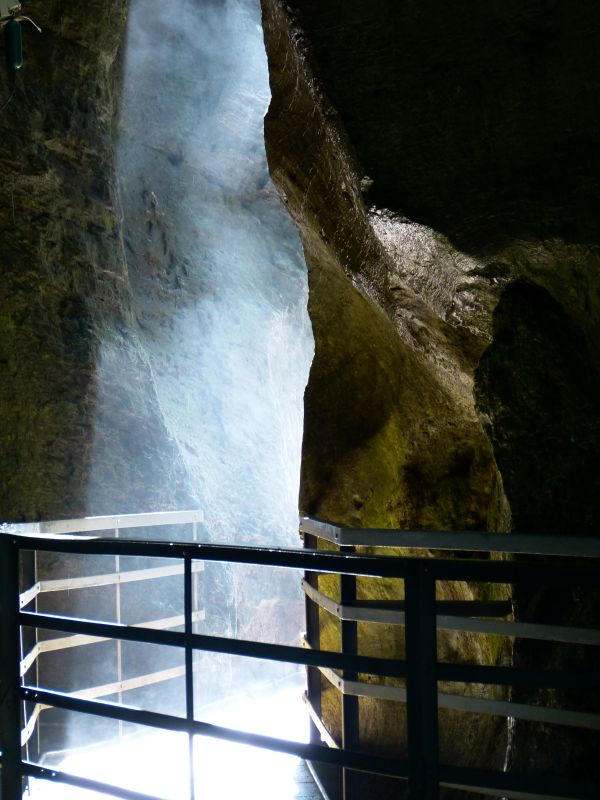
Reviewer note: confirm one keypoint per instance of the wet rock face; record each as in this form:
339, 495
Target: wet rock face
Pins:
474, 119
391, 436
58, 224
441, 166
537, 383
64, 282
539, 388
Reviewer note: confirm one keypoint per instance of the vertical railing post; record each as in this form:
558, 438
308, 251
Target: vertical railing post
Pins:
119, 643
421, 684
313, 639
189, 661
349, 641
196, 598
10, 679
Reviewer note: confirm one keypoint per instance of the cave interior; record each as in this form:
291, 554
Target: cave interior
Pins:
335, 259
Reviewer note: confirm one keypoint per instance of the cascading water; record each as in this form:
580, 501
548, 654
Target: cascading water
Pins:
215, 264
218, 336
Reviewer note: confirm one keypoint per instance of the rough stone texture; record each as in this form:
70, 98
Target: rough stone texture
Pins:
80, 426
540, 390
153, 331
401, 397
391, 437
475, 119
65, 286
440, 162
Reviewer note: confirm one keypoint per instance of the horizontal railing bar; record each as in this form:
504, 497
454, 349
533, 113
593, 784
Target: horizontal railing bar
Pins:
461, 673
311, 560
57, 776
532, 544
359, 612
511, 785
451, 777
484, 570
514, 786
106, 690
104, 523
517, 676
504, 676
475, 705
487, 675
505, 708
390, 613
308, 752
460, 608
463, 608
523, 630
127, 684
79, 640
475, 780
218, 644
112, 578
544, 573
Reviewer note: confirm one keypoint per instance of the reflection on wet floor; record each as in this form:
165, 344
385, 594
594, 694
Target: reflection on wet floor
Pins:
157, 763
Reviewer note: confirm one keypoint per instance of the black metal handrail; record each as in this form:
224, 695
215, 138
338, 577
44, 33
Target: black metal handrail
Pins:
420, 667
578, 565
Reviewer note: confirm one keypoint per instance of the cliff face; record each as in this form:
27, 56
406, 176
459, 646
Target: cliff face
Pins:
395, 344
154, 339
65, 286
154, 291
447, 160
440, 164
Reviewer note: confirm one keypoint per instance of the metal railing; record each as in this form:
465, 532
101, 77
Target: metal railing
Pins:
420, 668
185, 522
468, 616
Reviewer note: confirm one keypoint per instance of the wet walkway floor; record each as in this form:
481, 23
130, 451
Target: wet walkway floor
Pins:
157, 763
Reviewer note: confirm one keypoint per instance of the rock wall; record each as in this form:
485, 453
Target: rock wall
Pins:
154, 339
78, 404
439, 161
65, 286
390, 382
538, 387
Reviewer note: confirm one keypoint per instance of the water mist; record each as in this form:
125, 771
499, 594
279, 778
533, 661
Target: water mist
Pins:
200, 392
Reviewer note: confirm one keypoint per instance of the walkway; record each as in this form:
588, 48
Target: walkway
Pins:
224, 771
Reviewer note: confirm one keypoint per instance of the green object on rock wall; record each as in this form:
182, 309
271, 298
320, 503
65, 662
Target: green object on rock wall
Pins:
14, 44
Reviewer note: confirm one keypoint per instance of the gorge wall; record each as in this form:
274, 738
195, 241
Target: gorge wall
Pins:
154, 337
441, 164
439, 161
155, 334
63, 272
